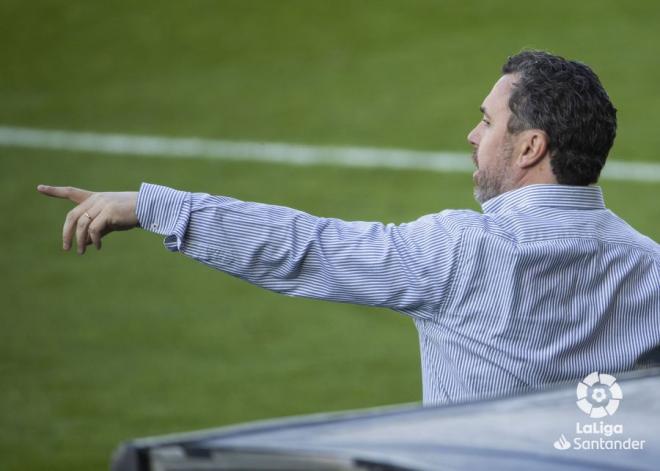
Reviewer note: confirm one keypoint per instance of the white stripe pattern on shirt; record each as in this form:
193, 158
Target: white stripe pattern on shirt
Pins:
545, 285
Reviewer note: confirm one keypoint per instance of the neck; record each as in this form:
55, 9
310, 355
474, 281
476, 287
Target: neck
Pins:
540, 174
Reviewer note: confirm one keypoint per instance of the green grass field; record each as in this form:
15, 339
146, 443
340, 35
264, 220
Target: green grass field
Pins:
134, 340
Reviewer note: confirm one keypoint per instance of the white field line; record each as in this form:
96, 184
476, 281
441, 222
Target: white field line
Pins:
197, 148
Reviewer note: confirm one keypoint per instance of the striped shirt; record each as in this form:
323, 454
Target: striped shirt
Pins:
545, 285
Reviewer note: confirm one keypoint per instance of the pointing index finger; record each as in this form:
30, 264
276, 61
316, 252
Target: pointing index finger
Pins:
76, 195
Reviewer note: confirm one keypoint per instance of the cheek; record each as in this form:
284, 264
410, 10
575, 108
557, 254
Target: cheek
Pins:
486, 149
491, 143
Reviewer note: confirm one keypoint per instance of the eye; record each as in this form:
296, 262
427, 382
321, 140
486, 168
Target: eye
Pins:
486, 122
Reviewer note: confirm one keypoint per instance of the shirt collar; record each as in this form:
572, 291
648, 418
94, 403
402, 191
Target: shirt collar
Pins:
556, 196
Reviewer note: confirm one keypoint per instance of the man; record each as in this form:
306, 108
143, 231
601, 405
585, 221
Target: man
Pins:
545, 285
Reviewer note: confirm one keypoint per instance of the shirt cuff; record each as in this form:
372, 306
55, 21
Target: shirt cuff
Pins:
164, 211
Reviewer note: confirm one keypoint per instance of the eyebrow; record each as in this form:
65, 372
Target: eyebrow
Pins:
483, 110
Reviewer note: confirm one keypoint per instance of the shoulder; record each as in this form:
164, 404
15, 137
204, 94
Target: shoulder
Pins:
451, 226
448, 222
457, 220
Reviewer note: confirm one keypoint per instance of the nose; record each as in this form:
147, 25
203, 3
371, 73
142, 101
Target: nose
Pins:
473, 136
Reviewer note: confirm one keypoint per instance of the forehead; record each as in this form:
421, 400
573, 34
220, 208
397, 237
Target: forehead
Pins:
497, 100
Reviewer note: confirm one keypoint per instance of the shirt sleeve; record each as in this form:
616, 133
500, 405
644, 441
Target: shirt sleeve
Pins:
405, 267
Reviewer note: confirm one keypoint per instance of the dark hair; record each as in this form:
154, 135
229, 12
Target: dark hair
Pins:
566, 100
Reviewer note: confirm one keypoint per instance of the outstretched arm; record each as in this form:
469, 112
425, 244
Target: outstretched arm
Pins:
405, 267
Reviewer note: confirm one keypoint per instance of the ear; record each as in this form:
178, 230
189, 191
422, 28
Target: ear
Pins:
533, 147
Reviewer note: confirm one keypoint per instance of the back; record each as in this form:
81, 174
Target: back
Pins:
550, 285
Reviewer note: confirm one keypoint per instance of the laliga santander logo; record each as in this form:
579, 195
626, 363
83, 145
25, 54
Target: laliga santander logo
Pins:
598, 395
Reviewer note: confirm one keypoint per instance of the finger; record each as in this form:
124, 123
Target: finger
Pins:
81, 232
98, 228
83, 224
71, 221
76, 195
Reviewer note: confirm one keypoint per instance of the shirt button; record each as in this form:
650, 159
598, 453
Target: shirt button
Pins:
154, 226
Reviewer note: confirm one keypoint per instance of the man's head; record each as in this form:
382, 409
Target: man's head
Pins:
546, 120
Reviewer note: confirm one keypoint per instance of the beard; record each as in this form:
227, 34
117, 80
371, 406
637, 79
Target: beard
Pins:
492, 182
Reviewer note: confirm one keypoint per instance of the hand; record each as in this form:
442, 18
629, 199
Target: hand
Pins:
95, 215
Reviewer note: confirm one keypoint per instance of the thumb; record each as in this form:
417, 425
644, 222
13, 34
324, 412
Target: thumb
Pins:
76, 195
